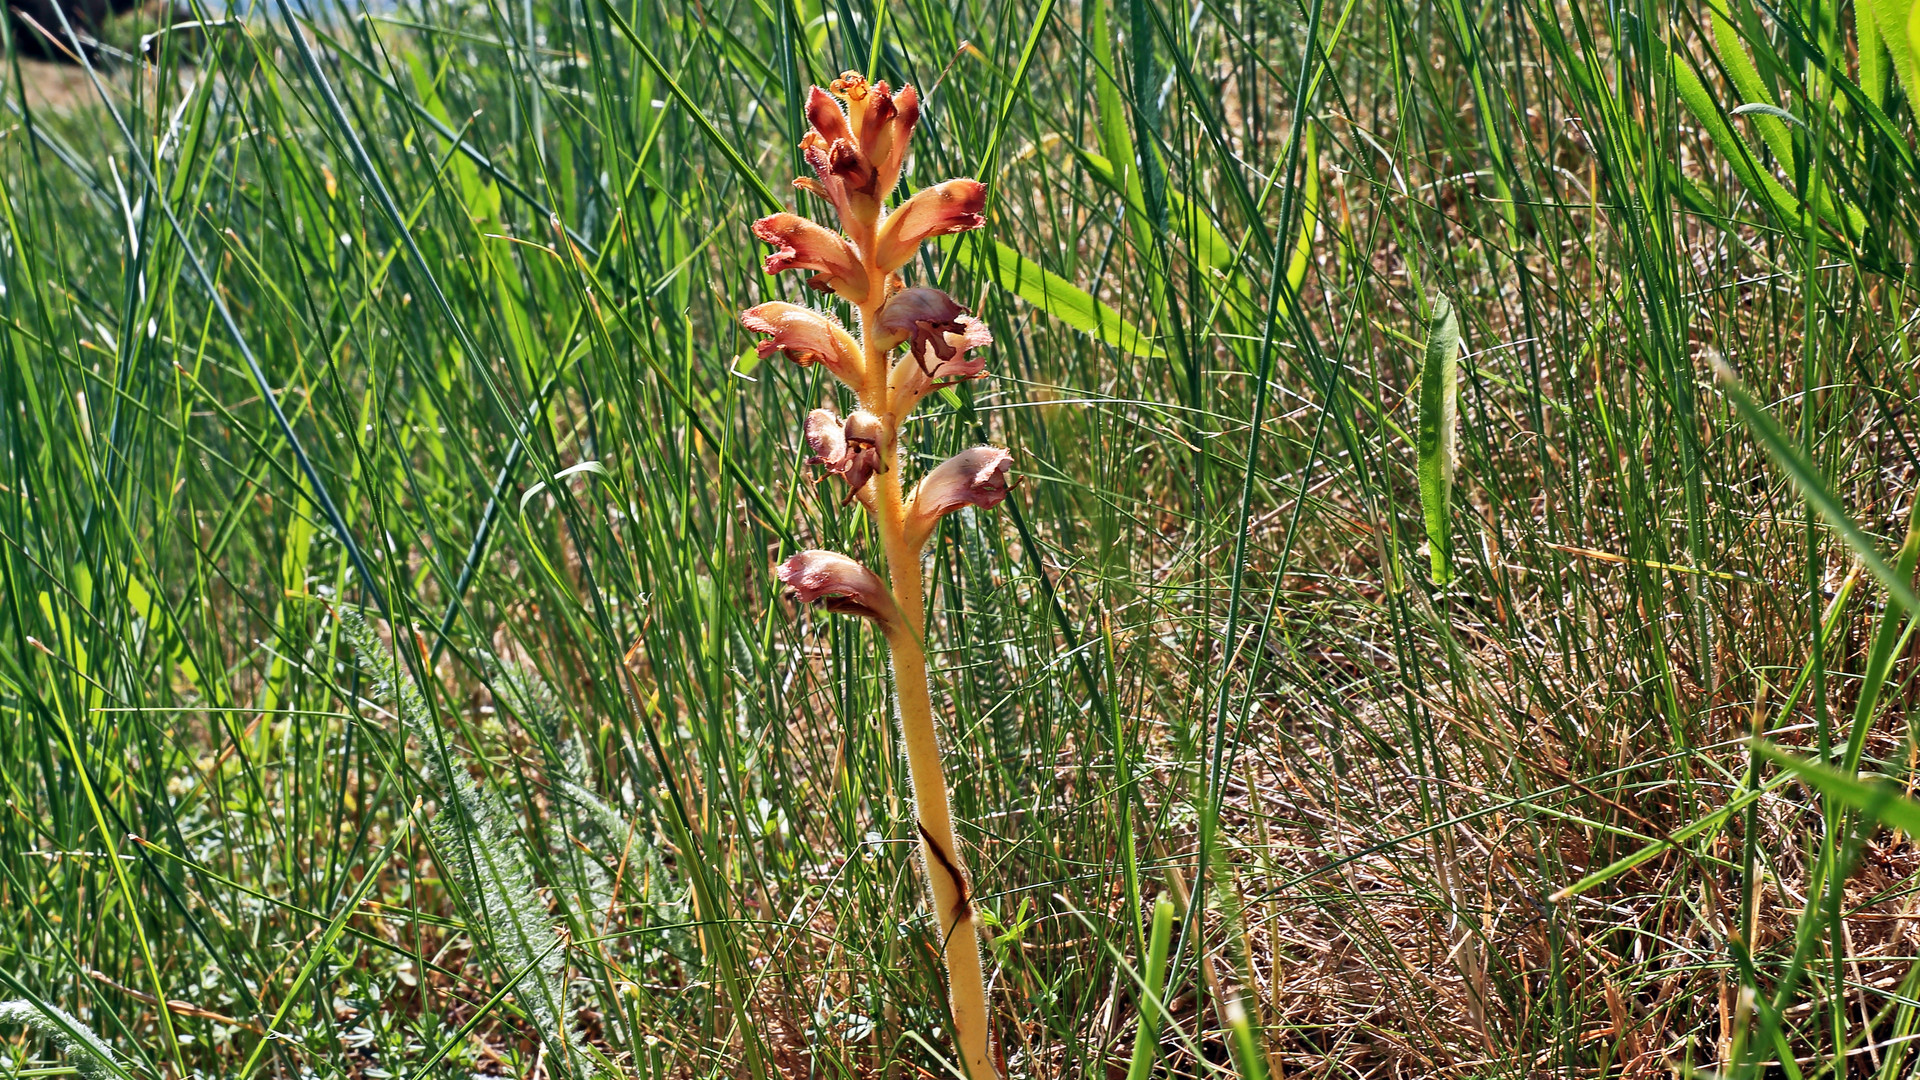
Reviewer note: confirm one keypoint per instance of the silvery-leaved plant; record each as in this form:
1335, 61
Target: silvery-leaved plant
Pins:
910, 342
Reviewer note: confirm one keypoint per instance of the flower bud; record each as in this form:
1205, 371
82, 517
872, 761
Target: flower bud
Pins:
973, 477
827, 437
839, 584
845, 174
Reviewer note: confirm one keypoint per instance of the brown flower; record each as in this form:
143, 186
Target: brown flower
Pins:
839, 584
935, 324
804, 245
842, 174
805, 336
938, 334
948, 207
972, 477
856, 158
882, 123
849, 449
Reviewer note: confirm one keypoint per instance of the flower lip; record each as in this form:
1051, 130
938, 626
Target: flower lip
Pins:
804, 336
863, 434
863, 429
839, 584
805, 245
974, 477
939, 335
950, 206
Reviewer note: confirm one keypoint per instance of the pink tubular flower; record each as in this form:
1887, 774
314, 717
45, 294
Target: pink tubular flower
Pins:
839, 584
948, 207
938, 334
803, 245
972, 477
805, 336
848, 449
937, 326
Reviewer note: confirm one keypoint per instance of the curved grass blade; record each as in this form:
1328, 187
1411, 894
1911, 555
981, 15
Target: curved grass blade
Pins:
1813, 487
1146, 1037
1875, 797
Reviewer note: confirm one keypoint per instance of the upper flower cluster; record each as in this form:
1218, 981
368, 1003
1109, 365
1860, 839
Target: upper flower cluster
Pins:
857, 155
857, 147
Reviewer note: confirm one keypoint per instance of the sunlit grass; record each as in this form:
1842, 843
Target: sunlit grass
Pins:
396, 681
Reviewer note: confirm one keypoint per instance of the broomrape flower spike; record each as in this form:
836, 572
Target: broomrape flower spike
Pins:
910, 342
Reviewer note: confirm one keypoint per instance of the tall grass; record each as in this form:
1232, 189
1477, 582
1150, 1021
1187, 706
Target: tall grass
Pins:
395, 683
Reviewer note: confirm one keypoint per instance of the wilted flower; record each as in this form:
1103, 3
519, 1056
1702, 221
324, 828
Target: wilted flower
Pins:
805, 336
972, 477
841, 585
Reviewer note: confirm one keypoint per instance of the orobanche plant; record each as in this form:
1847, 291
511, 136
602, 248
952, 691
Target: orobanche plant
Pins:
856, 156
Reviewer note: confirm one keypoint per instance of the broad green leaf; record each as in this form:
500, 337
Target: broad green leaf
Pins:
1889, 643
162, 627
1732, 53
1053, 294
1693, 94
1146, 1036
1913, 52
1875, 65
1115, 141
294, 559
1897, 23
1309, 215
1439, 434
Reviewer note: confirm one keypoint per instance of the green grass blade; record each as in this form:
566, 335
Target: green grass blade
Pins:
1146, 1037
1813, 487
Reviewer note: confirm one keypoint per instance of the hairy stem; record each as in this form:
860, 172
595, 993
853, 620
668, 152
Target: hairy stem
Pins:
952, 901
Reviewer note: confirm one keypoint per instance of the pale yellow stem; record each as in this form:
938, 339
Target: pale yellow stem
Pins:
952, 903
